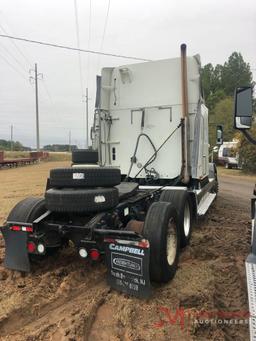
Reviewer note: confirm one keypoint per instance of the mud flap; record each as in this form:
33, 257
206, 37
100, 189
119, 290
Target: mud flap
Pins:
128, 266
16, 255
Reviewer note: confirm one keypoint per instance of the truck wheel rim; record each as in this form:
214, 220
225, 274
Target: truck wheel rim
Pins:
186, 219
171, 246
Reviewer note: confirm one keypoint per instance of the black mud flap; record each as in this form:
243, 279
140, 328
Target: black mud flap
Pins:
128, 266
16, 255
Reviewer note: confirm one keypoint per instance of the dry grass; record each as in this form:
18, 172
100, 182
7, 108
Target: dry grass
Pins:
19, 183
53, 156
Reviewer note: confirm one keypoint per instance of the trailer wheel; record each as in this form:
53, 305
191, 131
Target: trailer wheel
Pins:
86, 156
182, 202
161, 229
85, 177
81, 200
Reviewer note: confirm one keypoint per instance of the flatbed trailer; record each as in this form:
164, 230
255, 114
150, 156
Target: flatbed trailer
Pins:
9, 163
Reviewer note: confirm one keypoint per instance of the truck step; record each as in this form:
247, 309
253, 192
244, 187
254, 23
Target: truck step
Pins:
250, 265
205, 203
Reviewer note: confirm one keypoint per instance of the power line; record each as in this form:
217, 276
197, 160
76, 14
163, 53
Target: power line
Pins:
14, 58
27, 61
17, 48
73, 48
89, 42
105, 27
13, 67
78, 48
104, 32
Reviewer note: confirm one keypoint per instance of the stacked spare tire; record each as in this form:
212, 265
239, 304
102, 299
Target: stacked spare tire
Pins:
85, 156
84, 188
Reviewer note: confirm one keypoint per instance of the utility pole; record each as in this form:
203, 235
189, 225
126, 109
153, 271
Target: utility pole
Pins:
35, 78
87, 120
37, 112
11, 137
69, 140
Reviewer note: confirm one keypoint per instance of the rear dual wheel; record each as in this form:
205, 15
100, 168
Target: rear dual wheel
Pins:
181, 201
161, 230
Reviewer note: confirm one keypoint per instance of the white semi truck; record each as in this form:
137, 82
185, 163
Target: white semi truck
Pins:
133, 199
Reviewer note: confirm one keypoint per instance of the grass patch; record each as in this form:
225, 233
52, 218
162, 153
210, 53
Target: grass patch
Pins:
59, 156
53, 156
235, 173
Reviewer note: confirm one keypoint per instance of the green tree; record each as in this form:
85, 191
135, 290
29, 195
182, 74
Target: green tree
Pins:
247, 151
235, 72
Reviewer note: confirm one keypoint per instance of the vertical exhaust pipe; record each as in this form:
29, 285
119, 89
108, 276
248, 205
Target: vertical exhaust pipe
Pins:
184, 114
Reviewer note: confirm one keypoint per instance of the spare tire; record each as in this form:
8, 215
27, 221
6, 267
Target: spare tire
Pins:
85, 177
81, 200
85, 156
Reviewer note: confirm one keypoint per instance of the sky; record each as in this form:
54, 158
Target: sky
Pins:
148, 29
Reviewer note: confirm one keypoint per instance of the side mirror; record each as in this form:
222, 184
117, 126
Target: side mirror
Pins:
219, 135
243, 108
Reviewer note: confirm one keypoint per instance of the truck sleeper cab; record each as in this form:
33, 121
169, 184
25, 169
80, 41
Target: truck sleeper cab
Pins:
135, 202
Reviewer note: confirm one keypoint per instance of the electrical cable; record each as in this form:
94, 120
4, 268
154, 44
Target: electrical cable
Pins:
135, 152
89, 43
155, 153
72, 48
17, 48
13, 67
105, 27
103, 35
21, 66
78, 48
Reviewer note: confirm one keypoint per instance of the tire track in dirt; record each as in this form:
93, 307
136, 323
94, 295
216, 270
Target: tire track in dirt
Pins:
20, 318
67, 318
226, 240
67, 299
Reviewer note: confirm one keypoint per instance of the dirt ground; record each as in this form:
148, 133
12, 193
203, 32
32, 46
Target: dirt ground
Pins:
67, 299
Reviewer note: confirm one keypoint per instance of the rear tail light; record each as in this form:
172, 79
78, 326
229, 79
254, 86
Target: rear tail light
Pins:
21, 228
31, 247
15, 228
94, 254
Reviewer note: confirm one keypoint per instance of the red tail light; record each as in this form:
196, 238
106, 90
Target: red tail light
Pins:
94, 254
31, 247
15, 228
21, 228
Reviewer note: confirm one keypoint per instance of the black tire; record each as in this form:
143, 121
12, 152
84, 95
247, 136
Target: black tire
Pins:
182, 202
81, 200
160, 217
85, 156
227, 165
26, 211
85, 177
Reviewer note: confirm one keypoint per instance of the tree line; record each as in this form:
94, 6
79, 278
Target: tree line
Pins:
18, 146
219, 83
